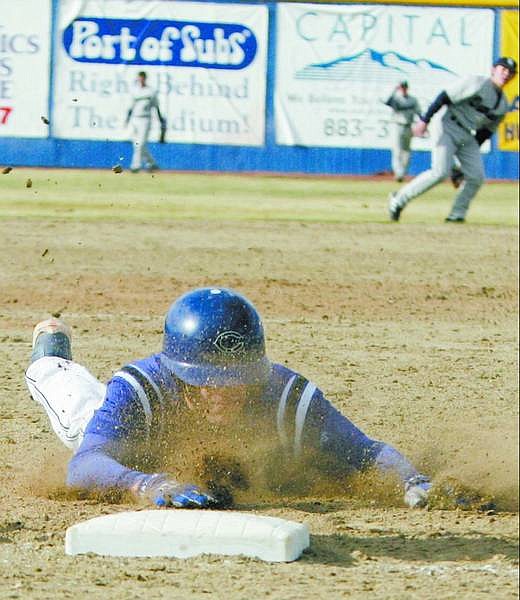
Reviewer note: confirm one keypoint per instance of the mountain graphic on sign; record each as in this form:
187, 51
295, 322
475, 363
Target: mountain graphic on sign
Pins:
380, 67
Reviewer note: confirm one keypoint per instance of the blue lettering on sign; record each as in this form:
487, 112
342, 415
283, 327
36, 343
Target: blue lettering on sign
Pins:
173, 43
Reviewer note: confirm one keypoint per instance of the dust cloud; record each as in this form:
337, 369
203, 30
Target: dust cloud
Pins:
477, 462
241, 464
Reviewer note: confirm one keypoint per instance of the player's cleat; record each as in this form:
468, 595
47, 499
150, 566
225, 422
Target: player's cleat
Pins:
456, 177
51, 338
454, 220
152, 168
394, 209
134, 170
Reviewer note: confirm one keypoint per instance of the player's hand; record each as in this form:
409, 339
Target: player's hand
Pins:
164, 491
416, 491
420, 128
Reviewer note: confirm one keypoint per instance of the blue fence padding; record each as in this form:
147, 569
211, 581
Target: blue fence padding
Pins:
193, 157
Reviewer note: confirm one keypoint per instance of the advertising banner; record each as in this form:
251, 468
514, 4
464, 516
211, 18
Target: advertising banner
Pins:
508, 129
472, 3
337, 64
24, 67
207, 61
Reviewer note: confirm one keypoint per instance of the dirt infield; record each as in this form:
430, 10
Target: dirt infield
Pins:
410, 330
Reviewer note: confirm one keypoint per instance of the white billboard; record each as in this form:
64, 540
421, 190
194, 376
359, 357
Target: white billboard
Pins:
336, 65
25, 30
206, 60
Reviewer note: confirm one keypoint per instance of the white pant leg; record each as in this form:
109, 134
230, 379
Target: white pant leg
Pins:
401, 150
442, 159
69, 394
141, 131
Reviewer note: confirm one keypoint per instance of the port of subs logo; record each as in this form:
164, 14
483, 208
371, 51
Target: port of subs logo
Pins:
171, 43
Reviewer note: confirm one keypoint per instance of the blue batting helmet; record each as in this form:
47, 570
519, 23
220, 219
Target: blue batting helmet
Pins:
214, 336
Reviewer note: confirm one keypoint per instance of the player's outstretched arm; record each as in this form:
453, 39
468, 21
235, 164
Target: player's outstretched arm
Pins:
341, 437
390, 101
420, 128
416, 485
94, 468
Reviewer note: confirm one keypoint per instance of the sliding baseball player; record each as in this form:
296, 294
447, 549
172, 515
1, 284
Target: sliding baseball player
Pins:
213, 374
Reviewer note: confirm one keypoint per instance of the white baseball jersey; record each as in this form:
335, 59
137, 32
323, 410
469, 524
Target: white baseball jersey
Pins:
476, 103
404, 108
144, 99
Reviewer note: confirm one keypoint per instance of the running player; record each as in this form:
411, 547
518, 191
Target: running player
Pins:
475, 107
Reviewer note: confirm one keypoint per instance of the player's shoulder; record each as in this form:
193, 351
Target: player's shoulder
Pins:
150, 368
481, 80
465, 87
282, 373
148, 363
151, 91
283, 377
475, 82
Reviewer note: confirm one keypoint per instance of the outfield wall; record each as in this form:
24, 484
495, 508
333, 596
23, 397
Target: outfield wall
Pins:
258, 86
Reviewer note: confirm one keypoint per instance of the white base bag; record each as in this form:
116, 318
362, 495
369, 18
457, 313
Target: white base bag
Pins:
183, 533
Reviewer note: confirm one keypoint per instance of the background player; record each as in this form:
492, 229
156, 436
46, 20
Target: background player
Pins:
212, 378
404, 108
140, 117
475, 107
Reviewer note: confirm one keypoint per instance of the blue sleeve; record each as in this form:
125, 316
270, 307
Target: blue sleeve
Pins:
94, 466
108, 438
435, 106
121, 415
338, 436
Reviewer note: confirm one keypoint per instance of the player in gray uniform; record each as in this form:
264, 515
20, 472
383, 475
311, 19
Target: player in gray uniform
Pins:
404, 107
475, 107
140, 116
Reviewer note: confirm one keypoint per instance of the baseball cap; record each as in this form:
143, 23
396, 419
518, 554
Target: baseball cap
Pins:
507, 62
403, 84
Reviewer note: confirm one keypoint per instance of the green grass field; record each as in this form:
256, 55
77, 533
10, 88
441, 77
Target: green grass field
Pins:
103, 195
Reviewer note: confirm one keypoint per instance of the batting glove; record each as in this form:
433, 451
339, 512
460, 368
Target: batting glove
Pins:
164, 491
416, 490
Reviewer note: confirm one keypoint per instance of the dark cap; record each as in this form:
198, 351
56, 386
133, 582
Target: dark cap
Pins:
403, 84
507, 62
